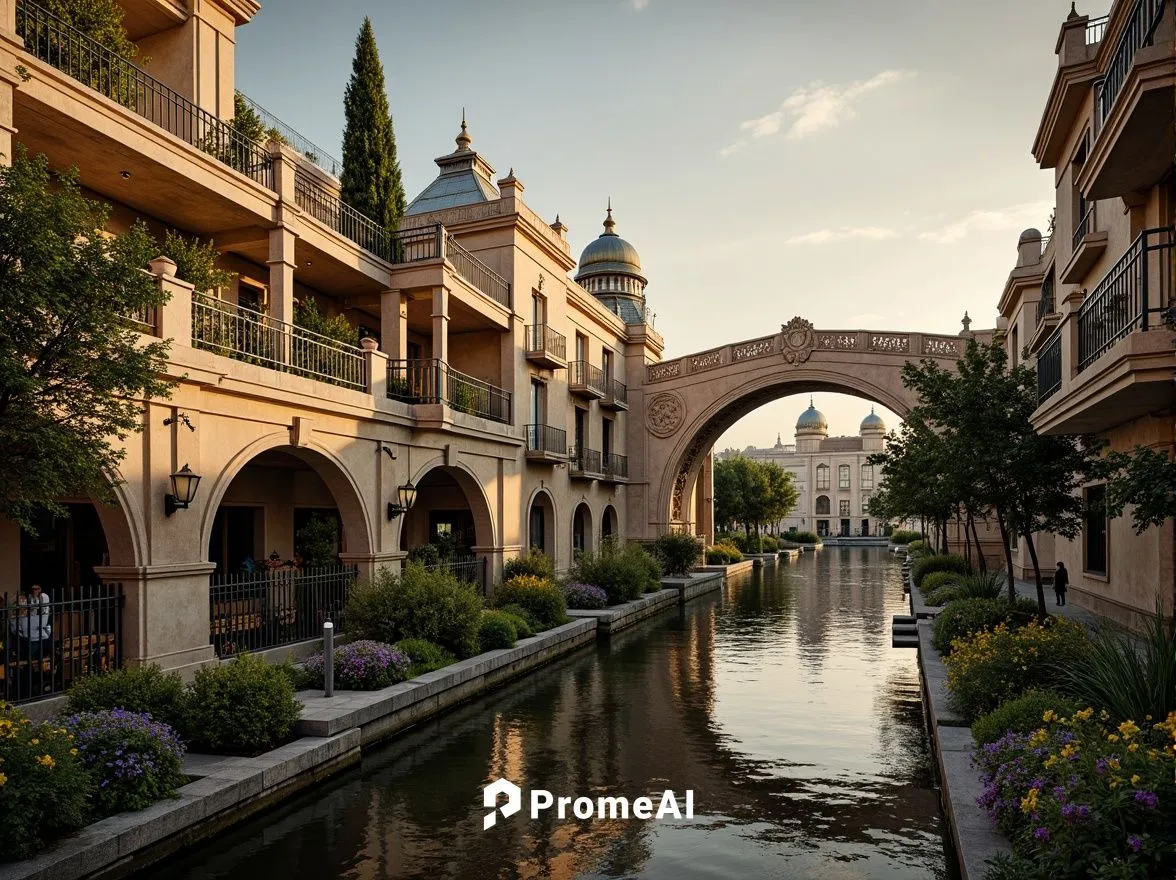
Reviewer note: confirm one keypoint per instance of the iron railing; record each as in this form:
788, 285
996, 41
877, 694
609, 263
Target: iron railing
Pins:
469, 569
617, 392
584, 461
310, 151
477, 273
433, 381
48, 642
615, 466
1046, 305
1096, 29
255, 338
145, 320
341, 217
1136, 288
1137, 33
1085, 225
269, 608
545, 438
1049, 367
584, 375
542, 339
73, 53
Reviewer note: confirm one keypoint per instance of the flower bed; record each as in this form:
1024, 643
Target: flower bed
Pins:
361, 666
585, 597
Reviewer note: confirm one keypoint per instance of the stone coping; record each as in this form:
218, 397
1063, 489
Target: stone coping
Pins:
379, 714
617, 617
228, 790
790, 554
694, 585
807, 547
734, 568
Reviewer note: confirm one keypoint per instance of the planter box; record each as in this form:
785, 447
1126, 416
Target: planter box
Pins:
696, 584
619, 617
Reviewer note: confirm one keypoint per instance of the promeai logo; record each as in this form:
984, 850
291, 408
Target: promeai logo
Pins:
583, 807
514, 800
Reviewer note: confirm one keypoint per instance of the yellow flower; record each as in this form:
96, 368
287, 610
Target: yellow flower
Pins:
46, 761
1128, 729
73, 751
1112, 737
3, 779
1113, 763
1135, 779
1029, 802
1051, 760
35, 742
1039, 737
1069, 749
1049, 716
1084, 715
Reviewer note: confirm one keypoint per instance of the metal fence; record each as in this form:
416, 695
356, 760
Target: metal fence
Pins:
333, 212
1140, 29
618, 392
51, 639
469, 569
271, 608
615, 466
541, 338
1096, 29
477, 273
1085, 225
1049, 367
433, 381
310, 151
255, 338
545, 438
72, 52
584, 461
1045, 305
584, 375
1133, 294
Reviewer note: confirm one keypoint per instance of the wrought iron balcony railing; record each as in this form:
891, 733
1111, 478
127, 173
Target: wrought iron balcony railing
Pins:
1049, 367
617, 393
543, 340
1096, 29
1046, 305
1140, 30
310, 151
73, 53
434, 381
1133, 294
547, 440
587, 378
1085, 226
615, 467
584, 460
255, 338
478, 273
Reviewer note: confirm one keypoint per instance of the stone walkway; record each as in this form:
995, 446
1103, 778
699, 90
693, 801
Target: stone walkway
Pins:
1075, 612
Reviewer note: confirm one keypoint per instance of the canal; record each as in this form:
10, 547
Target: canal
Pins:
779, 702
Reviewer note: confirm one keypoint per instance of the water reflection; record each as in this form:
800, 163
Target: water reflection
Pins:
780, 703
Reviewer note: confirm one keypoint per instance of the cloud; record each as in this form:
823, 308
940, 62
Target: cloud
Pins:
811, 109
1014, 217
638, 5
844, 233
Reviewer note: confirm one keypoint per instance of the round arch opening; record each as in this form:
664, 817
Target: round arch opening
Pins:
541, 524
609, 524
451, 513
582, 529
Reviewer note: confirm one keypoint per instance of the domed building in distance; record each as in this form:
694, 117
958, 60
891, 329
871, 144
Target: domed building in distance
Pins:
610, 269
832, 475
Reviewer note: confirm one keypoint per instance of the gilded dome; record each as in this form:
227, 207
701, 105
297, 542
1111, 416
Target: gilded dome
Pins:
873, 422
812, 419
609, 254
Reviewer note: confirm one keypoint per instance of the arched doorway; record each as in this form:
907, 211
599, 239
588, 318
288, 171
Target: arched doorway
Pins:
450, 524
609, 524
582, 529
541, 524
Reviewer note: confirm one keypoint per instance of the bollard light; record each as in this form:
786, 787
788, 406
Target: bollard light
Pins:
328, 659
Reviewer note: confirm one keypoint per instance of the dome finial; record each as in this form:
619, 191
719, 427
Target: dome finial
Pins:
463, 138
609, 222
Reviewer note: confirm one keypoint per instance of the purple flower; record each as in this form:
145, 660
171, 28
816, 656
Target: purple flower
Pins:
1134, 842
364, 665
1147, 798
1042, 834
585, 596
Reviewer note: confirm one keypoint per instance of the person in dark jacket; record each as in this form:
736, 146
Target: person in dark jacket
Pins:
1061, 581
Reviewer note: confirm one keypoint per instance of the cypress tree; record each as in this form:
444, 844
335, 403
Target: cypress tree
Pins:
371, 173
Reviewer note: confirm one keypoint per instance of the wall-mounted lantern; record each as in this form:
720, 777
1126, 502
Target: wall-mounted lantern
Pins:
407, 495
183, 490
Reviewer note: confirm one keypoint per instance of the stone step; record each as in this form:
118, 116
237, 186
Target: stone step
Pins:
905, 629
904, 618
897, 641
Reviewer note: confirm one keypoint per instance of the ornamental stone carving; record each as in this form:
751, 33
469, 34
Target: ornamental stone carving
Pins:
755, 349
659, 372
665, 414
837, 341
941, 346
798, 340
707, 361
890, 343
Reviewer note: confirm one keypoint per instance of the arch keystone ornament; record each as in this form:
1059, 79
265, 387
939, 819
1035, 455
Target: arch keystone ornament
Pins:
798, 340
665, 414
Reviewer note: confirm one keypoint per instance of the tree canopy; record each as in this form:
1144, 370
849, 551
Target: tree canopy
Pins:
73, 372
752, 493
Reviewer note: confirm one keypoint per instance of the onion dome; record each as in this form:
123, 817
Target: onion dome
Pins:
609, 254
812, 419
873, 422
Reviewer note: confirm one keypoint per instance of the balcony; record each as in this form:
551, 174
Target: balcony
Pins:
1049, 368
477, 273
616, 395
546, 347
1089, 245
546, 444
245, 335
310, 151
615, 468
586, 381
584, 464
432, 381
1132, 126
1046, 305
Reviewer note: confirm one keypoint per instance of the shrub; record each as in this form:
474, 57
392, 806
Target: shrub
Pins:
917, 548
723, 554
947, 562
244, 706
966, 617
1079, 798
540, 596
937, 579
585, 596
417, 604
132, 759
678, 552
989, 585
904, 536
137, 689
988, 668
496, 630
534, 624
805, 538
536, 563
1021, 714
426, 554
789, 545
362, 665
624, 574
424, 656
522, 627
43, 786
769, 544
943, 596
1128, 676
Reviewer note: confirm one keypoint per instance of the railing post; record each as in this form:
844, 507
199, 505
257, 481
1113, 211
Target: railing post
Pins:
439, 231
375, 366
1143, 291
173, 320
328, 659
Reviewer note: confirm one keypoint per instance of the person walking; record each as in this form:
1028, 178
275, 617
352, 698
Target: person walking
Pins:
1061, 581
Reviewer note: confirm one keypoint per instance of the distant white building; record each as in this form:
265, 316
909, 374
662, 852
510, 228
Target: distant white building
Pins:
833, 478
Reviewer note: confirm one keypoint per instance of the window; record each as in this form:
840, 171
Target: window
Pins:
1094, 532
538, 310
865, 504
581, 347
606, 364
823, 505
843, 507
536, 402
250, 296
843, 476
823, 527
823, 478
606, 428
867, 476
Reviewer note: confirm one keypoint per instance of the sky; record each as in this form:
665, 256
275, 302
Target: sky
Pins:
863, 165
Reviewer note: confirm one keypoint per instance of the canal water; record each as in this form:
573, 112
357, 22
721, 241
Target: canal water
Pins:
779, 702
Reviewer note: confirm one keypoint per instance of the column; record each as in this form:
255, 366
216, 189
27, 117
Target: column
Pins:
705, 527
8, 84
441, 324
394, 324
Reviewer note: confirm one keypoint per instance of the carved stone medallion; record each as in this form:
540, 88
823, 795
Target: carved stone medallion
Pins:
665, 414
799, 340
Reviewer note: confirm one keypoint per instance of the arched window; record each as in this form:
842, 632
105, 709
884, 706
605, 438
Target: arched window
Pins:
823, 503
823, 477
843, 476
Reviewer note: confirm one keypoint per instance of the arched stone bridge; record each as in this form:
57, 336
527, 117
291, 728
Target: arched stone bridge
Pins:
686, 404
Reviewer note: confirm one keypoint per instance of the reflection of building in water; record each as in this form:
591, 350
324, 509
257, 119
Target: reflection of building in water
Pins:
833, 477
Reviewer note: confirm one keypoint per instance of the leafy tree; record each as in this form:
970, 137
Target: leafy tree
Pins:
246, 121
73, 373
371, 173
337, 327
100, 20
315, 541
752, 492
1145, 479
196, 262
